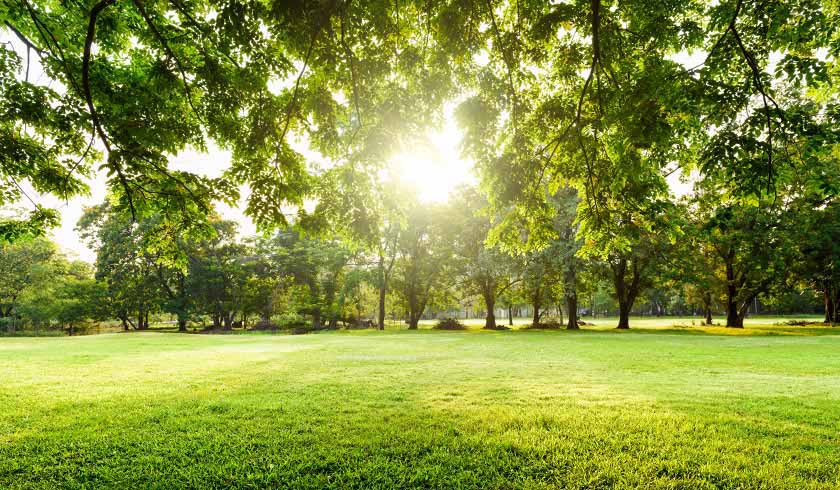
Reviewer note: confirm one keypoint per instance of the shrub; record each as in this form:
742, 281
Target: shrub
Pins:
449, 324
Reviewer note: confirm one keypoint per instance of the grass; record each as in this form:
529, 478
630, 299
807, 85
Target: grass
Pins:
654, 407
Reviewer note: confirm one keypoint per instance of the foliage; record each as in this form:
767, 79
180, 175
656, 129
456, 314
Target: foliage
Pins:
449, 324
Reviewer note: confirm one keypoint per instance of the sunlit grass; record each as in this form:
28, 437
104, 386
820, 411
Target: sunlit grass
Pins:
426, 409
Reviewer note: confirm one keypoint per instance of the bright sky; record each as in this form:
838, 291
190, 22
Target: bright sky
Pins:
433, 170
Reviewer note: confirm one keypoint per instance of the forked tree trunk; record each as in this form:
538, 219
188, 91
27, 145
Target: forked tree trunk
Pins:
734, 319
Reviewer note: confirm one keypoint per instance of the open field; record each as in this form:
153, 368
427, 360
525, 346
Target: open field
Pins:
648, 408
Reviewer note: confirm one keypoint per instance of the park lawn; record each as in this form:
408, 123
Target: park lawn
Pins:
648, 408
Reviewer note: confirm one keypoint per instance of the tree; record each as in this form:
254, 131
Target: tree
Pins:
217, 275
24, 264
79, 298
422, 262
315, 264
820, 249
124, 262
643, 242
482, 270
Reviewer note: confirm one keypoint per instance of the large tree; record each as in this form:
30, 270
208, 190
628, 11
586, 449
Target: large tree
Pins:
483, 271
424, 261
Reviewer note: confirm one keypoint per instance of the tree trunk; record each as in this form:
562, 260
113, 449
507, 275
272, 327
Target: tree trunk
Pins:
490, 305
510, 315
536, 321
228, 318
571, 308
381, 319
830, 313
623, 315
707, 307
316, 320
141, 319
733, 317
182, 324
413, 321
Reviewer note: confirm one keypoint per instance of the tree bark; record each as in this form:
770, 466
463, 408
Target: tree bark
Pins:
490, 304
413, 321
141, 319
381, 317
707, 307
623, 315
830, 313
733, 316
182, 324
510, 315
571, 307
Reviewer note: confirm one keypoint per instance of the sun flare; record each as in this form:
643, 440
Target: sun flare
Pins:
435, 168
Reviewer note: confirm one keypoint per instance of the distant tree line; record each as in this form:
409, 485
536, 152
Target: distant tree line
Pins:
429, 260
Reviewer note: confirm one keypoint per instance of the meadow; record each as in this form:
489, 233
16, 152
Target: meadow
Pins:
659, 406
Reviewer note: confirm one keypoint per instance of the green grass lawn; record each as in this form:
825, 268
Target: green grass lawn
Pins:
654, 407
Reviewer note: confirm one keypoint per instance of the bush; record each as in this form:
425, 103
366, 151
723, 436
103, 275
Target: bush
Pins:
449, 324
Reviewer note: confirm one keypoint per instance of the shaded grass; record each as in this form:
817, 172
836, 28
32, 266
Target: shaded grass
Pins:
426, 409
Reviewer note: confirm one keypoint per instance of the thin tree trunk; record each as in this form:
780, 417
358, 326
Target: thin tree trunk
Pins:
381, 318
707, 307
510, 315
